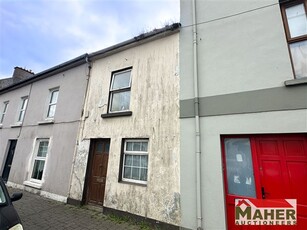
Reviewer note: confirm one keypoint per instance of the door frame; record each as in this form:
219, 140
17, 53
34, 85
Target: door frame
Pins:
89, 167
5, 159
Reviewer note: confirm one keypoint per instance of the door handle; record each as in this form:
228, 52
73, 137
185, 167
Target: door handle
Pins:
263, 193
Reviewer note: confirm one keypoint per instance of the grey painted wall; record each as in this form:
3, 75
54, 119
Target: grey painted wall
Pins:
243, 63
62, 132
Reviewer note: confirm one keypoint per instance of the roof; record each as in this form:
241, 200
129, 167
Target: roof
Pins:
140, 39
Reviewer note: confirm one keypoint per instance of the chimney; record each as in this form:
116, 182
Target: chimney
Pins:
21, 74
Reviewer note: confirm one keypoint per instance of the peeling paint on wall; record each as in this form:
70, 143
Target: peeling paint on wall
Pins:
79, 170
154, 104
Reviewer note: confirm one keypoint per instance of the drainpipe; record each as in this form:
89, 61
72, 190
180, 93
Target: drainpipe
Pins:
88, 75
82, 119
197, 122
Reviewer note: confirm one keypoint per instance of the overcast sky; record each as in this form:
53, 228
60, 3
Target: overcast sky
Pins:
39, 34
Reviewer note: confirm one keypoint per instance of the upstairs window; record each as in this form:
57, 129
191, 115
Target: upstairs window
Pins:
23, 107
54, 94
295, 21
5, 105
119, 99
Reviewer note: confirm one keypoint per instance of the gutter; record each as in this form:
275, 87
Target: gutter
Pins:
138, 40
197, 122
47, 73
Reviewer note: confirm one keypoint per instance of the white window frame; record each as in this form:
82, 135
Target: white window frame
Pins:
35, 157
50, 103
23, 108
137, 153
4, 110
122, 89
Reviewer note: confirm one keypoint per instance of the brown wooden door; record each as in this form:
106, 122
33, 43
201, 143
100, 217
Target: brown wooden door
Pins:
97, 171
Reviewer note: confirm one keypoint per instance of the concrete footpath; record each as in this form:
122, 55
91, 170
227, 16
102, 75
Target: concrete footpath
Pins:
39, 213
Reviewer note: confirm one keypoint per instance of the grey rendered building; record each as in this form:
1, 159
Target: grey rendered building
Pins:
243, 107
40, 117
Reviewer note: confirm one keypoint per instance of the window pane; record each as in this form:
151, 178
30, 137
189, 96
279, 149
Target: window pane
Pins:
99, 148
4, 111
128, 160
107, 147
143, 175
299, 58
136, 161
127, 172
144, 146
137, 146
38, 169
51, 111
144, 160
24, 103
21, 115
297, 20
120, 101
135, 173
54, 97
240, 174
2, 196
121, 80
129, 146
42, 149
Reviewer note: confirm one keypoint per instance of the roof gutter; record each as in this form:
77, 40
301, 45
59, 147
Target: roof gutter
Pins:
141, 39
49, 72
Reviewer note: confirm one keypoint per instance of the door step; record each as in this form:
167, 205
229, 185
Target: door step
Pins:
94, 207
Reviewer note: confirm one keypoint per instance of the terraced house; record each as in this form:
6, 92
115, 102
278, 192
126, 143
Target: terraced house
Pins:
40, 118
127, 157
101, 129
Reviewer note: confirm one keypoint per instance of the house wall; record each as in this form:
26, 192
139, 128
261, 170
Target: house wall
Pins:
6, 132
243, 62
155, 106
62, 132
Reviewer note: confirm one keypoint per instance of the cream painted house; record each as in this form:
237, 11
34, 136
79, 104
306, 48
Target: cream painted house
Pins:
127, 155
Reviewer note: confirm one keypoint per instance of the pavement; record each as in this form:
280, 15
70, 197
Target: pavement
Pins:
39, 213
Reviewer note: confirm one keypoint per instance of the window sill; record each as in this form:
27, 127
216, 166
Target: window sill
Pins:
294, 82
32, 184
17, 125
133, 183
118, 114
46, 122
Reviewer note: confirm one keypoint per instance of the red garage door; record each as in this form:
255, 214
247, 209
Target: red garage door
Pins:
266, 167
